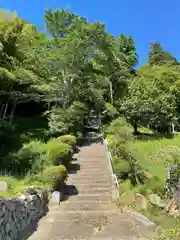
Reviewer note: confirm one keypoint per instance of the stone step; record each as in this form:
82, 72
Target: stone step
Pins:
89, 171
92, 191
91, 175
55, 210
91, 185
93, 188
77, 189
77, 181
100, 197
94, 166
86, 154
92, 225
91, 159
92, 170
86, 179
86, 206
60, 212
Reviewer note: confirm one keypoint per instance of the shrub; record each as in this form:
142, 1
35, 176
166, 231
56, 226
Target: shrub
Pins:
142, 189
125, 186
111, 110
127, 195
155, 185
109, 138
68, 139
30, 157
120, 165
122, 147
58, 152
119, 128
173, 234
67, 120
55, 176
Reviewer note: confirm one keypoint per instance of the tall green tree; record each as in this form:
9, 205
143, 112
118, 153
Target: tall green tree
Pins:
150, 100
158, 56
17, 37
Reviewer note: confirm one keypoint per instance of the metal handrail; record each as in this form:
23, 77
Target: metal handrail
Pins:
109, 157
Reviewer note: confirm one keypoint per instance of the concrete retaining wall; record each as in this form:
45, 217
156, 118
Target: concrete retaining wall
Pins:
17, 214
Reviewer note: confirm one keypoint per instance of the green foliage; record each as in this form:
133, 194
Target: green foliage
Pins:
174, 175
119, 128
173, 233
143, 189
120, 165
55, 176
15, 186
160, 153
58, 152
67, 120
157, 55
61, 22
150, 156
6, 133
121, 147
150, 101
78, 68
31, 157
68, 139
17, 38
125, 186
112, 111
156, 186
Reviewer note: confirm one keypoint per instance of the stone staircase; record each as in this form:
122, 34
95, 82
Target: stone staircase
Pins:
88, 211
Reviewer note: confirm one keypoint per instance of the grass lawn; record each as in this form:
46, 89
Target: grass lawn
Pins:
17, 186
153, 154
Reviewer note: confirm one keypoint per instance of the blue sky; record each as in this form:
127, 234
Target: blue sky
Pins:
145, 20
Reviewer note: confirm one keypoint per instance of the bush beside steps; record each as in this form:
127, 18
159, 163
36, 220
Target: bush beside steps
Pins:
58, 153
41, 165
70, 140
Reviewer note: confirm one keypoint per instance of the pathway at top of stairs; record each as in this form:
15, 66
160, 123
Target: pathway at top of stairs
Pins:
88, 212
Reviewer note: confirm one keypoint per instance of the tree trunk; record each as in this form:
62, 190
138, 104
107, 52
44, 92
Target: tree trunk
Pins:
12, 113
111, 92
135, 129
173, 128
49, 105
1, 111
5, 110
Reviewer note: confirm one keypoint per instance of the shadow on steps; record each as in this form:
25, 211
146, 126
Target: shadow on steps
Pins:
68, 191
87, 142
73, 168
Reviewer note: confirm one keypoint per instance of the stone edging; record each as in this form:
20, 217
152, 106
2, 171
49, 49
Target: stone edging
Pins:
17, 214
